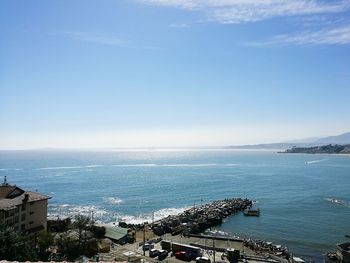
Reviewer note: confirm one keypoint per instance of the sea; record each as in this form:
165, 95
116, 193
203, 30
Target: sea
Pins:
304, 199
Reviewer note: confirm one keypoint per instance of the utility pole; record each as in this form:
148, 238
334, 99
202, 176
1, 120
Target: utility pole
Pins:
213, 249
144, 238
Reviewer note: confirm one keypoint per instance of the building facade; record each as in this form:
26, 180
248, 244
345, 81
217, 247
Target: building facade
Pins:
25, 211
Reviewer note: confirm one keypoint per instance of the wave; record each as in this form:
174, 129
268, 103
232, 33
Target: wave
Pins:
67, 167
93, 166
112, 200
67, 210
219, 233
338, 201
149, 217
105, 216
315, 161
173, 165
130, 165
11, 169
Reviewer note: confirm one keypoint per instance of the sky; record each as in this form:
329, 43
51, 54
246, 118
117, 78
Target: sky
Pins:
172, 73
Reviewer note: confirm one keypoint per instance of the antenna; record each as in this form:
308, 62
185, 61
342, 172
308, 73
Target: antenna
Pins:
5, 181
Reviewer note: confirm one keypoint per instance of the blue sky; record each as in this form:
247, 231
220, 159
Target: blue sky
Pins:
138, 73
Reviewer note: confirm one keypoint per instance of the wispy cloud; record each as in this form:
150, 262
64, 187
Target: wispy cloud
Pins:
332, 36
111, 40
245, 11
94, 38
179, 25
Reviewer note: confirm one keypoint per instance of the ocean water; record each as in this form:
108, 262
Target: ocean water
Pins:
305, 206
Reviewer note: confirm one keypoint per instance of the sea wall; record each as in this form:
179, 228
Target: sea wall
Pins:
197, 219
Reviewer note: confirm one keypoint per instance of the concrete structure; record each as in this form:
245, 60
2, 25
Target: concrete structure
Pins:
25, 211
343, 252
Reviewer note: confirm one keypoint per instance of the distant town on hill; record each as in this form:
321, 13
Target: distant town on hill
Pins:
326, 149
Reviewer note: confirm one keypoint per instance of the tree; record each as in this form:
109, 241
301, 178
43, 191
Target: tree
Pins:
15, 247
44, 241
81, 222
68, 247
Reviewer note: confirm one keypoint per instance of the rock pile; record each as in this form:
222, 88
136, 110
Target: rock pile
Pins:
262, 247
197, 219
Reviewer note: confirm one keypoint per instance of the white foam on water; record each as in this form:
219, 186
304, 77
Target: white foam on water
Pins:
93, 166
149, 217
135, 165
316, 161
68, 167
337, 201
73, 210
112, 200
188, 165
172, 165
11, 169
59, 168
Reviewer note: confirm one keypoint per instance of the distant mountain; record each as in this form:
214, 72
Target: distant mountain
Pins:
342, 139
339, 139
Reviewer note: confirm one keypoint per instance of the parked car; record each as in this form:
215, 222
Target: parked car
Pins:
183, 255
147, 246
202, 260
162, 254
153, 253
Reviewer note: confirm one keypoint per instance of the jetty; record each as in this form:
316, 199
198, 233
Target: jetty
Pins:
197, 219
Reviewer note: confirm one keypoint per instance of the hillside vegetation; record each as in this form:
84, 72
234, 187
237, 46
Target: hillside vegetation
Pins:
328, 149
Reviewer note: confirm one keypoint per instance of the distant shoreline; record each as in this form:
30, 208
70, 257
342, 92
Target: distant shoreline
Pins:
325, 149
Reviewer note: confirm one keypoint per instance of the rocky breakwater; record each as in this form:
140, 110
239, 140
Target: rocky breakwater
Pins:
197, 219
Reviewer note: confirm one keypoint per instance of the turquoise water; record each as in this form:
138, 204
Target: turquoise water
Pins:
295, 198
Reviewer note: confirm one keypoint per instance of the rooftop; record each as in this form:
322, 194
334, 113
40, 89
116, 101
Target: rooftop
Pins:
116, 233
12, 196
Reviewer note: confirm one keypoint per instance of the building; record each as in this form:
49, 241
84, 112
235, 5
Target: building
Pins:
25, 211
118, 234
343, 252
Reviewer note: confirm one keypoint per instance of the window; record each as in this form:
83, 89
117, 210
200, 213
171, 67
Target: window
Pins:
31, 212
31, 222
10, 222
23, 227
31, 203
24, 207
23, 217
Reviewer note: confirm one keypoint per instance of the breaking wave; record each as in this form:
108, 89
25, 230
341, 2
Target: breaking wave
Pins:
105, 216
149, 217
66, 210
112, 200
